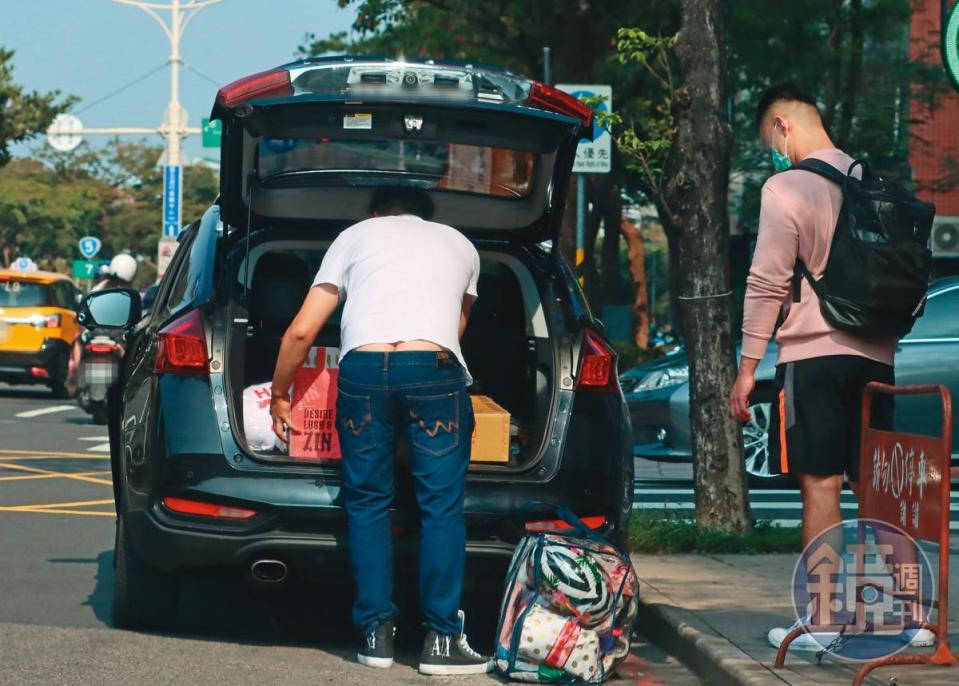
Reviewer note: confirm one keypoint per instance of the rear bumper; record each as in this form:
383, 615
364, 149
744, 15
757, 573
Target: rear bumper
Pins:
303, 525
17, 366
171, 546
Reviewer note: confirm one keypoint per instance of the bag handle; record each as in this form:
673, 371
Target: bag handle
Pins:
579, 527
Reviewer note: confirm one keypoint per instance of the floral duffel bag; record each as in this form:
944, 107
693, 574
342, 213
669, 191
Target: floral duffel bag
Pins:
568, 609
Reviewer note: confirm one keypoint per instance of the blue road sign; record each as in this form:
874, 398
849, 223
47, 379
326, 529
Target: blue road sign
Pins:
89, 247
171, 201
23, 264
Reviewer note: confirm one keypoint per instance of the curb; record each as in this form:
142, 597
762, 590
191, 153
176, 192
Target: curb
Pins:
714, 658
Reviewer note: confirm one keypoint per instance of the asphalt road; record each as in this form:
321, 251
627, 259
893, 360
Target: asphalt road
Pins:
56, 581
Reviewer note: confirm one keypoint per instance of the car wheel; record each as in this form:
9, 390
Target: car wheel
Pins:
756, 443
143, 598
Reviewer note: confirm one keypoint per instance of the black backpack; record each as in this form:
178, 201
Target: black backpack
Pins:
879, 264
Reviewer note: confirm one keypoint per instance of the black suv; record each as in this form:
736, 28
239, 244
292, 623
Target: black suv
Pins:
303, 148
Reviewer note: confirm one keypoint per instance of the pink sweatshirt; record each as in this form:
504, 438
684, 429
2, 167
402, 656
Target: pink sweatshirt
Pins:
798, 217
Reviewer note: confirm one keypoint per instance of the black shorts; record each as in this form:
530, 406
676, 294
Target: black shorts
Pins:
817, 413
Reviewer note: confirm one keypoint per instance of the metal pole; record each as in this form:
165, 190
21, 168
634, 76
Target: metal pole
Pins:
173, 128
547, 67
173, 108
581, 228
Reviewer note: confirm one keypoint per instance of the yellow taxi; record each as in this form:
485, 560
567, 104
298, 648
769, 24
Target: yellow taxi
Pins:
38, 326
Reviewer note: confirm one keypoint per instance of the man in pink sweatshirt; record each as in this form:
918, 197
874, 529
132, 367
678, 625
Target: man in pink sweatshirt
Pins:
821, 372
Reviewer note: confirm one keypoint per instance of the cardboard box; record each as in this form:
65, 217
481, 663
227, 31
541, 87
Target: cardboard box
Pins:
314, 407
490, 442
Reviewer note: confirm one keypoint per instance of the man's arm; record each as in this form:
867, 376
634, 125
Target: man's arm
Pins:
468, 301
319, 305
774, 259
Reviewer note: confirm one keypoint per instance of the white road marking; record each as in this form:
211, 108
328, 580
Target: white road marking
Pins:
102, 448
44, 410
95, 439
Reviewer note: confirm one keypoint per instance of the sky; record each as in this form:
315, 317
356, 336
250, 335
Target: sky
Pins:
90, 48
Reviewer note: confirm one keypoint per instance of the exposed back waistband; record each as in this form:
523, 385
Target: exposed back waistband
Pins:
395, 357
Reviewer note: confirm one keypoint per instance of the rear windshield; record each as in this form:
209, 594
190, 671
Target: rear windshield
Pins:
22, 294
424, 164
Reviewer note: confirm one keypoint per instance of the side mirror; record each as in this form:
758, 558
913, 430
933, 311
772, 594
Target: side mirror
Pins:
114, 308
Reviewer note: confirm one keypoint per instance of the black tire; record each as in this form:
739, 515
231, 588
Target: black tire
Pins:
755, 447
144, 599
99, 415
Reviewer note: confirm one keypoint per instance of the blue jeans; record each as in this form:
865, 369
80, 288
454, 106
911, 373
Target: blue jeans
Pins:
423, 395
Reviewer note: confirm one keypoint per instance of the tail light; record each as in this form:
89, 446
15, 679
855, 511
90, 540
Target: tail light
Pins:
181, 346
39, 372
100, 347
553, 99
266, 84
597, 368
204, 509
594, 522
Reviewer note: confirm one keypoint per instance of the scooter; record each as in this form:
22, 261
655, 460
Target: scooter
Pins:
99, 365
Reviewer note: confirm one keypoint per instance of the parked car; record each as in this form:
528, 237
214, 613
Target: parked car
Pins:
658, 393
37, 328
306, 145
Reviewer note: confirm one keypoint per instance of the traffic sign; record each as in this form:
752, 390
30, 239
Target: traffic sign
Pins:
64, 134
90, 246
87, 269
593, 157
171, 201
950, 44
212, 131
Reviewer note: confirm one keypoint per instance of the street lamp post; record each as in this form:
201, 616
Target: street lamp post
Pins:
174, 127
66, 131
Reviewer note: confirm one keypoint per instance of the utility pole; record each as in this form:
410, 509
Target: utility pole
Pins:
66, 131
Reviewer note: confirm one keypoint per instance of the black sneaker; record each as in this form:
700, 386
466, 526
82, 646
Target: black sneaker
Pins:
377, 646
450, 655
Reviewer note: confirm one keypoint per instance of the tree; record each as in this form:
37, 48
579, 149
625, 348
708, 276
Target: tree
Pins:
512, 33
23, 115
684, 156
49, 201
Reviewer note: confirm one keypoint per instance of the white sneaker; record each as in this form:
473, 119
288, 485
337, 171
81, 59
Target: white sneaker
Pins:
808, 642
919, 638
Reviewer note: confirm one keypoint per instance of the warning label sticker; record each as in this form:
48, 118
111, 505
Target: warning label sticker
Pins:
358, 120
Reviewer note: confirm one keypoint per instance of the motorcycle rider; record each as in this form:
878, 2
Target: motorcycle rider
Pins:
120, 274
122, 270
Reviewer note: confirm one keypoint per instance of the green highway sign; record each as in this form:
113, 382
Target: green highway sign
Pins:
950, 44
212, 132
87, 269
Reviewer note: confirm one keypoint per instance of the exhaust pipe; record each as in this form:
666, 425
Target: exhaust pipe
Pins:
268, 571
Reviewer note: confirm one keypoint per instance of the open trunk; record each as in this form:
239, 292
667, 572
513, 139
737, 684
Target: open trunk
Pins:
506, 346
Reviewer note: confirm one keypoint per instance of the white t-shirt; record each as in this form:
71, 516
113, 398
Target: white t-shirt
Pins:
402, 278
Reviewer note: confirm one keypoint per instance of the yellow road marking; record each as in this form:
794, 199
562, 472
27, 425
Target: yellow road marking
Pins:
91, 513
56, 456
49, 476
66, 475
43, 506
46, 453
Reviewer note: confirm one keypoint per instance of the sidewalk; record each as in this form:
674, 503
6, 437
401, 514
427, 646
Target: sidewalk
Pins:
713, 612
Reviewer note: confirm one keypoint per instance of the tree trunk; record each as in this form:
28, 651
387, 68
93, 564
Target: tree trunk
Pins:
636, 252
696, 195
853, 75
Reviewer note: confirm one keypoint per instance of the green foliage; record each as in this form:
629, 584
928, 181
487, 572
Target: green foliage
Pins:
23, 114
665, 535
49, 201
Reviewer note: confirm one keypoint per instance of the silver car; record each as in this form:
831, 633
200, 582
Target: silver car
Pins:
658, 392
